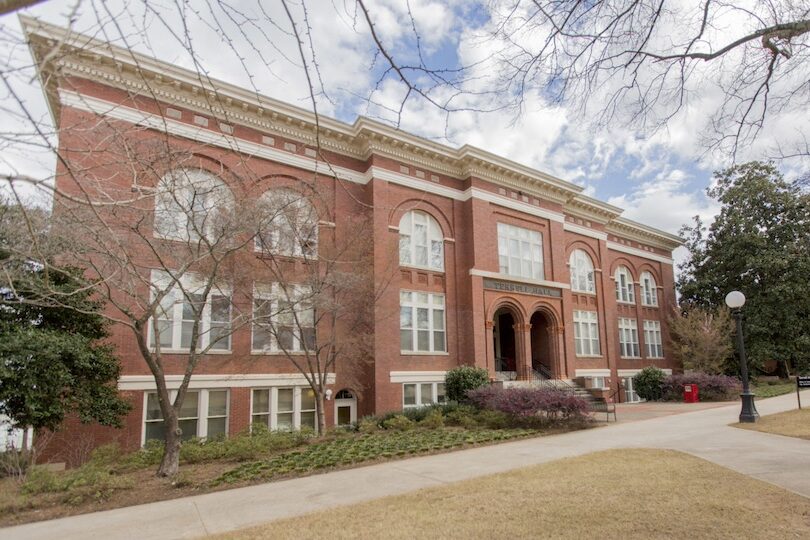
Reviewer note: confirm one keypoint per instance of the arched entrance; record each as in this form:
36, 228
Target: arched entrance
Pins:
345, 408
542, 337
506, 349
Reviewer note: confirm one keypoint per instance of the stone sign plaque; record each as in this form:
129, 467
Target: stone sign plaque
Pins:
522, 288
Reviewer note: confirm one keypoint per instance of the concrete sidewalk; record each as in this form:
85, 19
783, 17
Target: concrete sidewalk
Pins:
783, 461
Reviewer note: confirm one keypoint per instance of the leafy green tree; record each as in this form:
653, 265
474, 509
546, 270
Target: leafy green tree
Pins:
52, 361
758, 244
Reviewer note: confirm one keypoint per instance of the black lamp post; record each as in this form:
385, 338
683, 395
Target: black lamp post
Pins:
735, 300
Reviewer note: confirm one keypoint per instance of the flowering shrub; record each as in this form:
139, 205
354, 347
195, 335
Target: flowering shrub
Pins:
529, 402
710, 387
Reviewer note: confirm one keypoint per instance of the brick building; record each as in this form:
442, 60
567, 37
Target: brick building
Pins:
494, 263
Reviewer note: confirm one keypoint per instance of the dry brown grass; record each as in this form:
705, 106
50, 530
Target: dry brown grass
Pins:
615, 494
789, 423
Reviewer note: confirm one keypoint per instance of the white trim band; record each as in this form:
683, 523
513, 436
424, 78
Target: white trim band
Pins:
638, 252
147, 382
592, 373
631, 372
584, 231
507, 277
417, 376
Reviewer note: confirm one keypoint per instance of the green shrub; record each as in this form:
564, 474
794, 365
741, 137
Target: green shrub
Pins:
433, 420
649, 382
368, 424
462, 379
398, 423
463, 417
493, 419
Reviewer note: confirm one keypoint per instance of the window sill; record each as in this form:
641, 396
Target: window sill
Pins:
424, 353
425, 268
626, 303
588, 355
631, 357
589, 293
285, 257
186, 351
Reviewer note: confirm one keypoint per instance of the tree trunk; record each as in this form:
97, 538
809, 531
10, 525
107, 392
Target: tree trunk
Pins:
170, 463
321, 413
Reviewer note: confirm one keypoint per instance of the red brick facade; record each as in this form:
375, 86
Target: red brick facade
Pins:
386, 173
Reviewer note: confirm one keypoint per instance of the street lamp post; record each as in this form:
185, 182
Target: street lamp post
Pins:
735, 300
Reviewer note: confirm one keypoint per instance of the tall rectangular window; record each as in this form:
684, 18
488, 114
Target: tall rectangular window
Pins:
283, 319
652, 339
284, 409
422, 394
628, 338
520, 252
260, 409
586, 333
421, 322
204, 413
181, 306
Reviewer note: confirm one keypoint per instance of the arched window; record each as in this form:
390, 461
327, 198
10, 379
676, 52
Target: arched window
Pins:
581, 272
190, 204
420, 241
649, 295
624, 285
288, 224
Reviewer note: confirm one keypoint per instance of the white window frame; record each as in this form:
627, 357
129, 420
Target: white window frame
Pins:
625, 292
628, 338
582, 271
411, 241
183, 184
275, 293
649, 292
202, 410
432, 303
586, 345
630, 394
652, 339
529, 245
273, 412
175, 300
598, 382
419, 386
306, 225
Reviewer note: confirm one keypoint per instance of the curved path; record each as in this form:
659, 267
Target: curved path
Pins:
783, 461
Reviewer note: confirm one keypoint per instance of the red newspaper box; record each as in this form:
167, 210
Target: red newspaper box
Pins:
690, 393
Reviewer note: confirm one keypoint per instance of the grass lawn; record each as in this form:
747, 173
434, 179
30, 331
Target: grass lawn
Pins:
773, 390
789, 423
635, 493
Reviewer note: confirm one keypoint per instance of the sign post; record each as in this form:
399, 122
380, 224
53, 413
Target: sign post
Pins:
801, 382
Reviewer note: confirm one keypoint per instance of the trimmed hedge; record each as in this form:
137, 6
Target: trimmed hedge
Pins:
530, 402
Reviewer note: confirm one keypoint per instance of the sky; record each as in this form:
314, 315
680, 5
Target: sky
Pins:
658, 177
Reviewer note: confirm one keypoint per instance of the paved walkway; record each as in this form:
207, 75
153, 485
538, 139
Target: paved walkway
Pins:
705, 433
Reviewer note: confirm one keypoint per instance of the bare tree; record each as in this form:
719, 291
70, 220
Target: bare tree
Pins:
642, 62
701, 338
